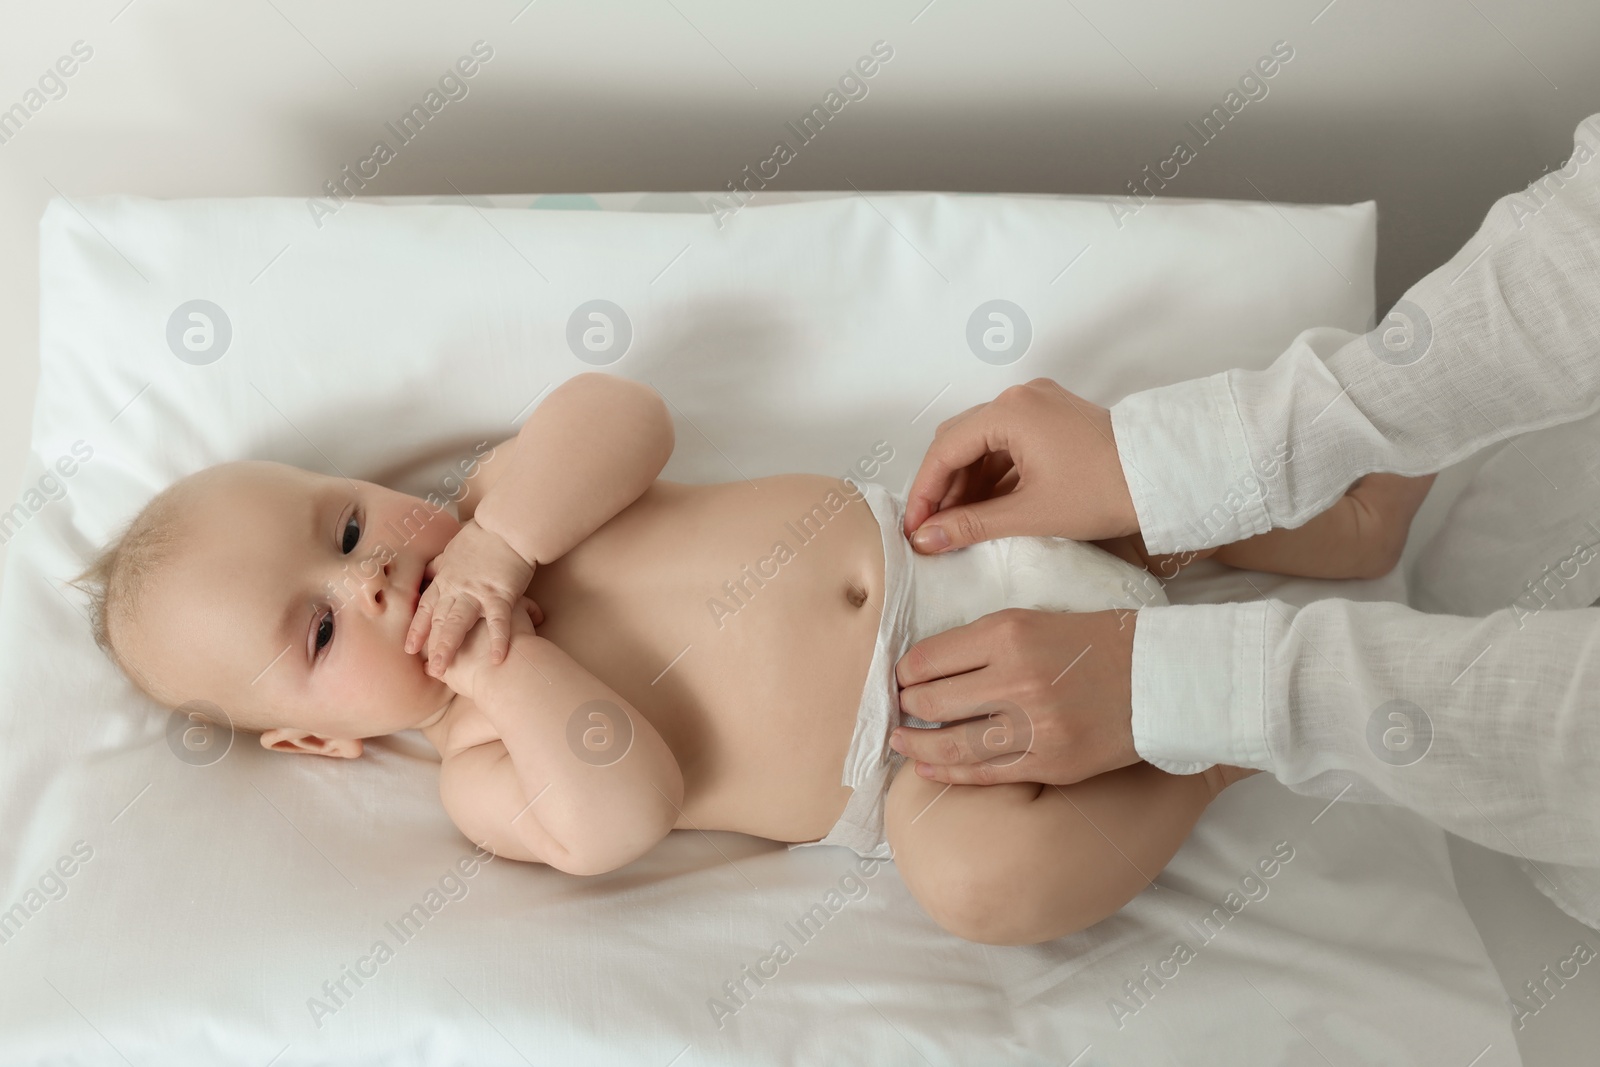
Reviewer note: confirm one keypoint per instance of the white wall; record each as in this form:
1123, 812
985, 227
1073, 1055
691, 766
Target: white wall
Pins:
1432, 107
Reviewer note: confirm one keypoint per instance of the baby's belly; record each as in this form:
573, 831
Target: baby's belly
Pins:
740, 620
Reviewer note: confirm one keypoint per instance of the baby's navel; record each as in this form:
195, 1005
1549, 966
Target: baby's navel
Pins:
855, 594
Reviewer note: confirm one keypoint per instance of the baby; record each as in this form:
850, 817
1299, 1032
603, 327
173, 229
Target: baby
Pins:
600, 656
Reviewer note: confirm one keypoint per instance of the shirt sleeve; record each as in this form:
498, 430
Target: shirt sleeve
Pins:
1501, 340
1489, 727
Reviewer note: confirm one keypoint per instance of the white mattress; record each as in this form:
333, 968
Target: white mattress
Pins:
207, 905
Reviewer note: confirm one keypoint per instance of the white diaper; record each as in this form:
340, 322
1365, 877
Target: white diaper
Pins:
925, 595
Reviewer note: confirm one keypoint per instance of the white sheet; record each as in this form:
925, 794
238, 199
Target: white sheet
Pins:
215, 901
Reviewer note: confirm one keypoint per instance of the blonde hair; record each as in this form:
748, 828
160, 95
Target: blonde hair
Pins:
116, 580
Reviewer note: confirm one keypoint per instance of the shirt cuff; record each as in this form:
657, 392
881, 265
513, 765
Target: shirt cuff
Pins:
1198, 686
1187, 464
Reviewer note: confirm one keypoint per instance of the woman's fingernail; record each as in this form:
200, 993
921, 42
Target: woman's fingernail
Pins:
930, 539
895, 742
925, 770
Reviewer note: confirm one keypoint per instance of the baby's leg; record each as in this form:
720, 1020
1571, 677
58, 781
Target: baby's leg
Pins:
1021, 863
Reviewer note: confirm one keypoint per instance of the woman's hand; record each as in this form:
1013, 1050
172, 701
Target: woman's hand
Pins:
485, 646
1036, 460
477, 576
1048, 694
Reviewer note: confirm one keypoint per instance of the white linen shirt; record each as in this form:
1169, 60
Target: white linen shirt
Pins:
1488, 726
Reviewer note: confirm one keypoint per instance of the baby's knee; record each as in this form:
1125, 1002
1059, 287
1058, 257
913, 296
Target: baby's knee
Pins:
979, 899
991, 920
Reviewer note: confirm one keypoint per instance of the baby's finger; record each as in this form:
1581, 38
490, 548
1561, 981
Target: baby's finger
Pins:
421, 622
449, 632
497, 615
437, 637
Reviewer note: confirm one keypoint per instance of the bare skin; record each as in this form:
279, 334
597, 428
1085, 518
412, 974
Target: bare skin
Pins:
740, 718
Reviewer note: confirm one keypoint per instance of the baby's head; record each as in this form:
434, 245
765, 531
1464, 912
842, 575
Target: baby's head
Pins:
281, 596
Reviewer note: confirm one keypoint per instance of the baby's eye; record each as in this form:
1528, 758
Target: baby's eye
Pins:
324, 632
350, 538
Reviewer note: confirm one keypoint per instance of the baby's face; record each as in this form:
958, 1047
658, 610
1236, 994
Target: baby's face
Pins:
289, 601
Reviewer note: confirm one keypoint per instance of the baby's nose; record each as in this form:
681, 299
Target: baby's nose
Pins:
378, 586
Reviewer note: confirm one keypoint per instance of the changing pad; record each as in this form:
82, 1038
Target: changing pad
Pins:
255, 908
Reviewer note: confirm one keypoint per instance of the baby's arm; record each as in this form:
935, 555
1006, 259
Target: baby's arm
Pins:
1361, 536
578, 779
587, 452
481, 480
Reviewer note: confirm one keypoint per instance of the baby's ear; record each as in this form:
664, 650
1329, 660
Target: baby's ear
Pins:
280, 740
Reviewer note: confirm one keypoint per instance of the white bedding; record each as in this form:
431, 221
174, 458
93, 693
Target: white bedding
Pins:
207, 905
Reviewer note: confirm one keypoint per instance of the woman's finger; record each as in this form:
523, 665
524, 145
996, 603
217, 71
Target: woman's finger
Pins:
985, 473
949, 700
996, 731
957, 417
1008, 768
960, 484
957, 447
945, 654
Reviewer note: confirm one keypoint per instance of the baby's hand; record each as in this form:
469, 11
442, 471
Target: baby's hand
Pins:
477, 576
484, 647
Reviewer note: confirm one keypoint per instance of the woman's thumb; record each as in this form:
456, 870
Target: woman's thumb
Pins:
966, 524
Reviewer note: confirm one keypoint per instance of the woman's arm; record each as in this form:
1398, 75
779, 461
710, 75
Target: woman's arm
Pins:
1499, 341
1361, 536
